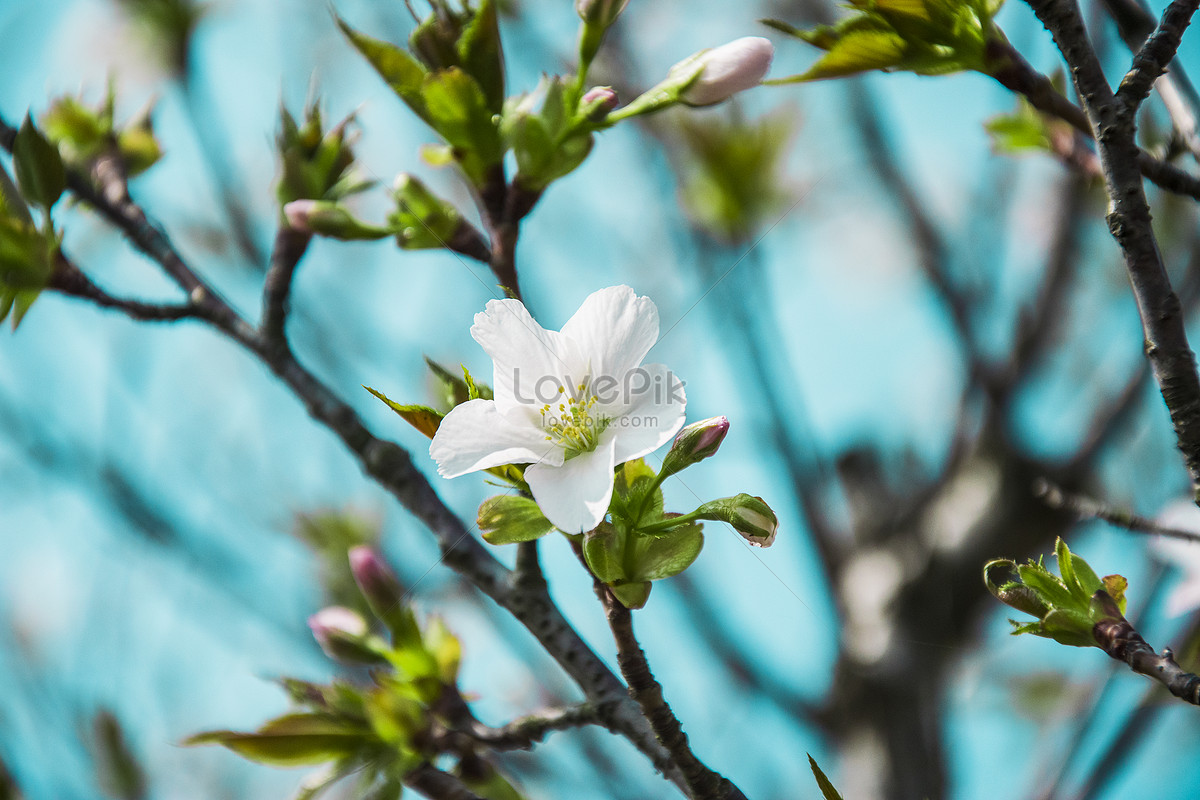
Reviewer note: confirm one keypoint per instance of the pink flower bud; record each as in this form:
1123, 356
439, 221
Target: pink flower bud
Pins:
342, 634
597, 102
694, 443
385, 595
729, 69
298, 213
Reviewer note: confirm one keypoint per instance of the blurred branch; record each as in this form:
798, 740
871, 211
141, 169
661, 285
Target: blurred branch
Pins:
433, 782
523, 733
1085, 508
71, 280
289, 248
1020, 77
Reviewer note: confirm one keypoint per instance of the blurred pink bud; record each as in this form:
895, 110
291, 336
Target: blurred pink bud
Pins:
597, 102
729, 69
342, 634
298, 213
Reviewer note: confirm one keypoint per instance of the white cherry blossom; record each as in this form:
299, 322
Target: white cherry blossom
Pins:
572, 404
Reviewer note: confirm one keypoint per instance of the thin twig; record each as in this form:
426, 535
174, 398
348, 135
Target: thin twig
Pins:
1085, 507
433, 782
523, 733
70, 280
1159, 50
702, 782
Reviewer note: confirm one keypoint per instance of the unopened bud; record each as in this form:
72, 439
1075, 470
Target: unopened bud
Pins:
597, 102
384, 594
600, 13
695, 443
727, 70
329, 219
342, 634
750, 516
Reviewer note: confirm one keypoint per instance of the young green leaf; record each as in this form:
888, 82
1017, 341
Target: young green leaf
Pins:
403, 73
291, 740
423, 418
826, 786
39, 167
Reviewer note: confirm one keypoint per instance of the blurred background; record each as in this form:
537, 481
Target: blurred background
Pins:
905, 329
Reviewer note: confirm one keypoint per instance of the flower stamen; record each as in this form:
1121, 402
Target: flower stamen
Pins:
575, 428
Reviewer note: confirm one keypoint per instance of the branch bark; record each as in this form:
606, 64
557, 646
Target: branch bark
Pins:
1114, 121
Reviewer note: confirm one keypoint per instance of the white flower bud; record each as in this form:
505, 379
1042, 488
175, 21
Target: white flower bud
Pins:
727, 70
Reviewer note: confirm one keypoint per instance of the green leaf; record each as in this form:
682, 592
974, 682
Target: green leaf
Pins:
458, 111
481, 55
509, 519
291, 740
1052, 590
423, 418
859, 51
38, 166
403, 73
11, 203
666, 555
604, 552
825, 785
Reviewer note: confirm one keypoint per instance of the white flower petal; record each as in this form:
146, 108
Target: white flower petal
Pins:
530, 362
616, 328
575, 496
475, 436
654, 414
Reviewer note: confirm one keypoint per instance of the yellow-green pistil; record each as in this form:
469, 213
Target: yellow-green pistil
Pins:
574, 427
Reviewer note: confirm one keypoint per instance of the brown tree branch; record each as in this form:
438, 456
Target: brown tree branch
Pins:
1117, 637
1159, 49
702, 782
1167, 347
434, 783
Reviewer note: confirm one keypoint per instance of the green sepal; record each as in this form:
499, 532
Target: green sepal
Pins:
604, 553
403, 73
510, 519
666, 554
38, 166
632, 595
291, 740
423, 418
